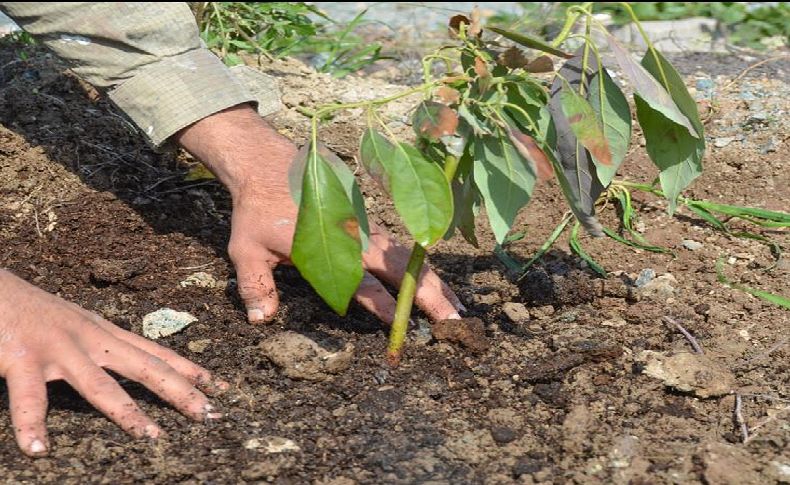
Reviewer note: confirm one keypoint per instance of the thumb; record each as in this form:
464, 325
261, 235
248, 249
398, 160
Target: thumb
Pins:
256, 282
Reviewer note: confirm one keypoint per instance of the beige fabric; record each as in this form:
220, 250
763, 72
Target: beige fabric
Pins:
148, 55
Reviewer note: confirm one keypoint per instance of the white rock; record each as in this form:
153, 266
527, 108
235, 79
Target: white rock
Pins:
165, 322
691, 244
201, 279
272, 444
689, 372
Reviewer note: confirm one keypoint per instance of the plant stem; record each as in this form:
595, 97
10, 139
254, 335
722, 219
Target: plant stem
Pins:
408, 286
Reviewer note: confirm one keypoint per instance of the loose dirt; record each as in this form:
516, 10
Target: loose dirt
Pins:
87, 211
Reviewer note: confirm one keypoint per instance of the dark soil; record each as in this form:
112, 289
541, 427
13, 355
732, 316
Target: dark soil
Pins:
87, 211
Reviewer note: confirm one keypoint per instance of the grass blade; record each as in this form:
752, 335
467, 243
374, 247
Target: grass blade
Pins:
546, 245
778, 300
576, 247
627, 242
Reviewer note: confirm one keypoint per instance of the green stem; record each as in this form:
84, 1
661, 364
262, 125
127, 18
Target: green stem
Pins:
408, 286
570, 20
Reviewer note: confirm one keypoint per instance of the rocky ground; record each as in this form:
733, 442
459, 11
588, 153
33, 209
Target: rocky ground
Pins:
582, 380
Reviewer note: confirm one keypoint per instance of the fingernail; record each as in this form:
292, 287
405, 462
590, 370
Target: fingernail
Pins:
208, 408
152, 431
255, 315
453, 316
37, 447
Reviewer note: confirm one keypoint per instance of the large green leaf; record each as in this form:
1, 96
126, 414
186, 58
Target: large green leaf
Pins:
648, 88
612, 108
662, 146
346, 177
585, 126
418, 187
326, 247
675, 152
575, 169
530, 42
505, 180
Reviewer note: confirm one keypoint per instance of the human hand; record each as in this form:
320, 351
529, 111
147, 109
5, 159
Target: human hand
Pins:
252, 160
44, 338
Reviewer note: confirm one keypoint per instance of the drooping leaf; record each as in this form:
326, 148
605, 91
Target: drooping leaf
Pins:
434, 120
418, 187
584, 124
577, 175
648, 88
529, 149
505, 180
481, 69
676, 153
613, 111
466, 201
326, 247
541, 64
530, 42
662, 145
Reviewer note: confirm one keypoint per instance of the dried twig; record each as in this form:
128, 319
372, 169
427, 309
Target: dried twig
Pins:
754, 66
739, 418
765, 354
686, 334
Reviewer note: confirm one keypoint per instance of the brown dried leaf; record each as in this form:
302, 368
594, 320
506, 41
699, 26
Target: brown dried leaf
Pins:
529, 149
481, 69
434, 120
455, 24
448, 95
475, 29
541, 64
513, 58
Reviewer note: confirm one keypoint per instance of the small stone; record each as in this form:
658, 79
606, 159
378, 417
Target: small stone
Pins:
692, 245
661, 287
542, 312
723, 141
199, 346
645, 276
165, 322
201, 279
516, 312
503, 435
275, 444
300, 357
381, 376
687, 372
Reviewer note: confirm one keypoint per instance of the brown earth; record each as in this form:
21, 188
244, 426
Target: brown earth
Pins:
560, 396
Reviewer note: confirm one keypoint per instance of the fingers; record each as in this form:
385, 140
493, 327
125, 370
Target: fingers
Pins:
156, 375
194, 373
387, 260
374, 297
27, 393
255, 280
106, 395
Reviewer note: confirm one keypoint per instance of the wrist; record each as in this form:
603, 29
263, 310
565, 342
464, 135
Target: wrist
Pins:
243, 151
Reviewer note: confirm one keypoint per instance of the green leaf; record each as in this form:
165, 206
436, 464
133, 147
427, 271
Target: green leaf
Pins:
676, 89
418, 187
635, 244
346, 177
504, 178
530, 42
648, 88
466, 201
749, 213
478, 126
612, 108
326, 247
675, 152
584, 124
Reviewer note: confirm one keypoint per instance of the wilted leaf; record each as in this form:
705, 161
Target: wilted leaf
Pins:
541, 64
466, 201
676, 173
455, 24
585, 126
530, 42
481, 69
326, 248
505, 179
448, 95
613, 110
418, 187
513, 58
578, 178
434, 120
648, 87
529, 149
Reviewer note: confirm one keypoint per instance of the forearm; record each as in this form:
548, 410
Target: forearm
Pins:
241, 149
